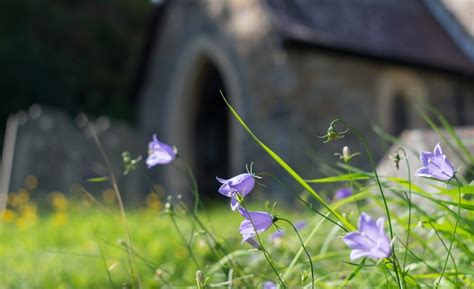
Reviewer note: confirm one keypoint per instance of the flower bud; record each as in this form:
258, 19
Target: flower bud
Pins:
158, 273
200, 281
346, 153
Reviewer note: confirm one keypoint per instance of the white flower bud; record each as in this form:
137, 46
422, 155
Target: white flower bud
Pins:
346, 153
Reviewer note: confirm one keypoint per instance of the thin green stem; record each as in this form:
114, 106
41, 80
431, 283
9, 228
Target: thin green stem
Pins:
306, 203
289, 169
104, 261
213, 244
408, 196
134, 273
444, 244
264, 251
300, 251
303, 246
454, 233
183, 239
194, 189
351, 183
379, 184
354, 273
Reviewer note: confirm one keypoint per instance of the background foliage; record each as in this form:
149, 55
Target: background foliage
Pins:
77, 55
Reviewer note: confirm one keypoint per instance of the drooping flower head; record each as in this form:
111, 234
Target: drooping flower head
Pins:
269, 285
255, 222
436, 165
370, 240
343, 193
159, 153
241, 184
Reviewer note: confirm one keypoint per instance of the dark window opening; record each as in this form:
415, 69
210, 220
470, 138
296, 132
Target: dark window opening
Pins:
211, 131
459, 104
399, 114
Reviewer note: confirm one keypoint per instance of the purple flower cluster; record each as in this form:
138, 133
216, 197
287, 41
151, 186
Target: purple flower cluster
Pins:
236, 188
370, 240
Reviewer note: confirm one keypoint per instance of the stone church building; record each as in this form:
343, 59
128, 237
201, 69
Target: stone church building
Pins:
291, 67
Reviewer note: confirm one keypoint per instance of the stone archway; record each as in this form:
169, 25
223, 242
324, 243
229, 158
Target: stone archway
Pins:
197, 120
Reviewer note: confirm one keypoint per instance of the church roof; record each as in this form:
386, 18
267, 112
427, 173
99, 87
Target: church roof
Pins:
406, 31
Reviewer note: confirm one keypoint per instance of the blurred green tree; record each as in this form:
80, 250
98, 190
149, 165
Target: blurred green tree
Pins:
80, 55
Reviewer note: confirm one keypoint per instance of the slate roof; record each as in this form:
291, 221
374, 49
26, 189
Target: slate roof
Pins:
390, 29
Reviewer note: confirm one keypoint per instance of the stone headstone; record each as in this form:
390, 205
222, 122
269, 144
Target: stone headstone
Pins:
60, 153
415, 141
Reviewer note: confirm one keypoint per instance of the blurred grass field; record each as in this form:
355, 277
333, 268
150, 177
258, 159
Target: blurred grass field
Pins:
73, 243
76, 243
62, 248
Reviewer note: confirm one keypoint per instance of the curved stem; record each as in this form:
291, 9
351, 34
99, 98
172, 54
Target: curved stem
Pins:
306, 203
454, 233
213, 243
304, 248
351, 183
289, 169
195, 189
444, 245
372, 164
265, 252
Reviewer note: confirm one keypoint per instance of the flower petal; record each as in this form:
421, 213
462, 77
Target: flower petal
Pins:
355, 240
234, 204
436, 165
438, 152
159, 153
255, 221
368, 226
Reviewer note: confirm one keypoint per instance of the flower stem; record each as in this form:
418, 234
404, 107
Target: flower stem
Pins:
183, 239
289, 169
304, 248
408, 196
306, 203
131, 260
372, 164
454, 233
265, 252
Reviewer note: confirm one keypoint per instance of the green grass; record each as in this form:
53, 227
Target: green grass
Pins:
51, 254
64, 249
82, 243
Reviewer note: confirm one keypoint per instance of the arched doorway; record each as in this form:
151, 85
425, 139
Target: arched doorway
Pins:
197, 120
211, 129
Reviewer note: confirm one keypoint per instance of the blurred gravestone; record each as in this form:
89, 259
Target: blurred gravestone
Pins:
60, 153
